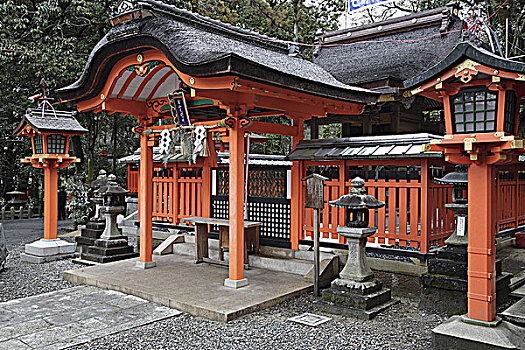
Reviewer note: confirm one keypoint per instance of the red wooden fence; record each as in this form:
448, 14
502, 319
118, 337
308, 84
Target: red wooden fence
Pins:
420, 220
414, 216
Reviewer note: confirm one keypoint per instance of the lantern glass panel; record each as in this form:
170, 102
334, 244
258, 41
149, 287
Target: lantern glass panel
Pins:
474, 111
39, 144
56, 144
510, 112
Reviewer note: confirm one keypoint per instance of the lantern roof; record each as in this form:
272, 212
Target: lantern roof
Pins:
50, 120
357, 198
463, 51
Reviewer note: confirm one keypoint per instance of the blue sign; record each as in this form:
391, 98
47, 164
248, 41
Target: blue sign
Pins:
354, 5
179, 111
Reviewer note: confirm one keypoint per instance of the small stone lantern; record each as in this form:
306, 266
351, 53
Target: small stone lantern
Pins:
112, 245
459, 205
99, 182
356, 289
112, 204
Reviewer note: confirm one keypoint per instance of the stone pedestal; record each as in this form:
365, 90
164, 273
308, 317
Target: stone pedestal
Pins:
444, 287
89, 235
112, 245
455, 333
357, 291
46, 250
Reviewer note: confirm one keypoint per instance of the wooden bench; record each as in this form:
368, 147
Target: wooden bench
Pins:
251, 238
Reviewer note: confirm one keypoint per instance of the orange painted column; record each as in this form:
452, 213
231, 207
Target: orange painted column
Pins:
145, 202
481, 294
297, 210
236, 264
50, 202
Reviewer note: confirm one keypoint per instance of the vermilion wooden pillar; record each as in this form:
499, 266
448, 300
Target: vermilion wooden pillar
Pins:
297, 210
481, 294
50, 201
145, 202
236, 264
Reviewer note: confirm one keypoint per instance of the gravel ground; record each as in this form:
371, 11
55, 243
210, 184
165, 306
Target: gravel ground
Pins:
20, 280
401, 327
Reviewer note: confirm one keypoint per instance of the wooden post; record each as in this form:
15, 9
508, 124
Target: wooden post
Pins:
314, 128
236, 265
145, 203
206, 182
481, 294
426, 206
297, 210
50, 202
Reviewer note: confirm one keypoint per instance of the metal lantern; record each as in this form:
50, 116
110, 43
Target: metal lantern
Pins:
357, 204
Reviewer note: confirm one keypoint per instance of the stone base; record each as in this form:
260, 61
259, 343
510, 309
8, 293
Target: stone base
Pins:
89, 235
449, 294
46, 250
235, 283
457, 334
444, 287
361, 299
145, 265
108, 250
33, 259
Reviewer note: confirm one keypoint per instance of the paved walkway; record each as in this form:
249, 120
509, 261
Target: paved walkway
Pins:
198, 289
73, 316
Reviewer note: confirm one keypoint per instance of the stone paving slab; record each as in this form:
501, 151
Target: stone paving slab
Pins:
198, 289
73, 316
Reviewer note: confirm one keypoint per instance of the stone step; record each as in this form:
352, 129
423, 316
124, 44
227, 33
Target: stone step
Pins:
106, 259
85, 240
294, 266
448, 268
356, 301
110, 251
516, 313
96, 225
91, 233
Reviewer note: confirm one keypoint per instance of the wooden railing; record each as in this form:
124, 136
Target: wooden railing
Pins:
510, 192
20, 213
407, 227
133, 180
177, 193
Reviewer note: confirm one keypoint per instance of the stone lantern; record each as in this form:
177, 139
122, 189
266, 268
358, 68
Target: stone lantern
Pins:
50, 131
112, 245
96, 225
459, 205
356, 289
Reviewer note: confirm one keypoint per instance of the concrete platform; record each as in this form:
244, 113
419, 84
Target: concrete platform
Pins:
198, 289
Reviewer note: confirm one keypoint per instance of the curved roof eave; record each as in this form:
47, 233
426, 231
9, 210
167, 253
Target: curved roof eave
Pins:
90, 81
461, 51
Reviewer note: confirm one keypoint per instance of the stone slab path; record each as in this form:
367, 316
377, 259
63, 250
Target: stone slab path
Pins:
73, 316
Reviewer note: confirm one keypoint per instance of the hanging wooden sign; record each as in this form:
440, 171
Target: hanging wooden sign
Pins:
179, 110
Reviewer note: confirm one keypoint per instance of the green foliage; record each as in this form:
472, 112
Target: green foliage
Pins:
78, 203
